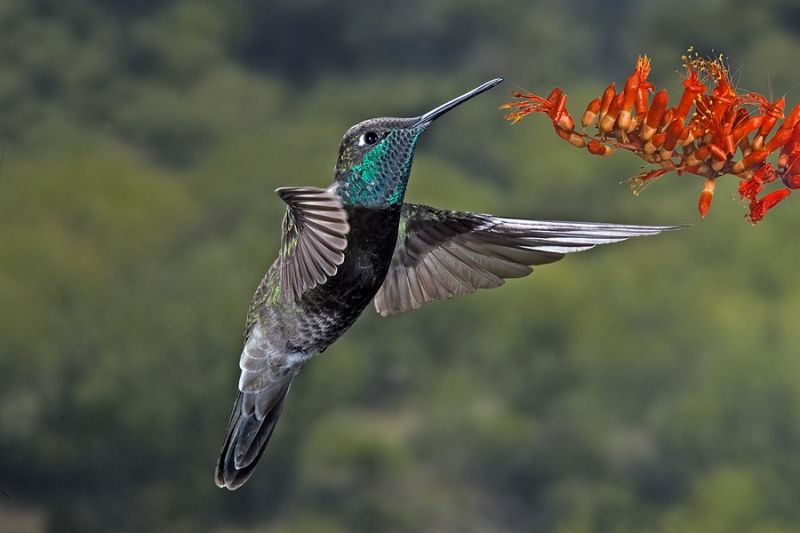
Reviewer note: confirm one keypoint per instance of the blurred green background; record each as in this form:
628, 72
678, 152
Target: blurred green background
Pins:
647, 386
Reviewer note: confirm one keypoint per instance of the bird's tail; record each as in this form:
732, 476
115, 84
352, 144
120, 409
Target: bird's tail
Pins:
251, 425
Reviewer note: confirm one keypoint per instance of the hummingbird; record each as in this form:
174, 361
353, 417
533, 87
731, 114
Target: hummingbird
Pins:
357, 242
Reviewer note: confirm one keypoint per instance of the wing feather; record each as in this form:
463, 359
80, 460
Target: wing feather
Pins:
441, 253
314, 238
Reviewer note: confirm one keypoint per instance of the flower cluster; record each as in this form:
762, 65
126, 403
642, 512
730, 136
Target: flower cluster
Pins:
714, 129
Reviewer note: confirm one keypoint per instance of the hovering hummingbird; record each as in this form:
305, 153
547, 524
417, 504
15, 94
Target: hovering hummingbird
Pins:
357, 242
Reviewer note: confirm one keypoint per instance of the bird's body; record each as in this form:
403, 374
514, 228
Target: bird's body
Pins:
311, 324
356, 242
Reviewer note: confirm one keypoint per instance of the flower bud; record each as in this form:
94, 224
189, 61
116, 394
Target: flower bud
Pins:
610, 118
590, 115
704, 203
628, 100
653, 119
598, 148
752, 159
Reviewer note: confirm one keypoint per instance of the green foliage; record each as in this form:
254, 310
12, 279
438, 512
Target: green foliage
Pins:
648, 386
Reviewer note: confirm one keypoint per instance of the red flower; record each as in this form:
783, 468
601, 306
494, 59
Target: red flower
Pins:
692, 88
759, 208
645, 87
725, 134
554, 106
645, 177
772, 112
750, 188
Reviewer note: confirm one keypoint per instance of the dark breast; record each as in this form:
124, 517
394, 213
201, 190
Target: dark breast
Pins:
330, 309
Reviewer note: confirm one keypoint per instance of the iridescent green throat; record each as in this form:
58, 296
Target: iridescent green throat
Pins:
381, 178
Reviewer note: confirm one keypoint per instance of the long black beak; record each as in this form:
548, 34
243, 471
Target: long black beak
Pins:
437, 112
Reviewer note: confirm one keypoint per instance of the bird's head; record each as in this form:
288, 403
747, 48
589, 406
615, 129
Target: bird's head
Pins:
375, 155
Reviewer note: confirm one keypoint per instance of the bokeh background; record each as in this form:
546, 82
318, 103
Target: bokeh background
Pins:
648, 386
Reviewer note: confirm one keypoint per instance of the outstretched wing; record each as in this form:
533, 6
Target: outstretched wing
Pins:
313, 239
441, 253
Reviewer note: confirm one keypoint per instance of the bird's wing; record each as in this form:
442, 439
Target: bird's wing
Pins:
313, 239
441, 253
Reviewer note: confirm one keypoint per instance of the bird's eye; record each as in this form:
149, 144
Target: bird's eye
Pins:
369, 138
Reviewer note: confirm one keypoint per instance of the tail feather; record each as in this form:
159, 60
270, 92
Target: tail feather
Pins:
249, 431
